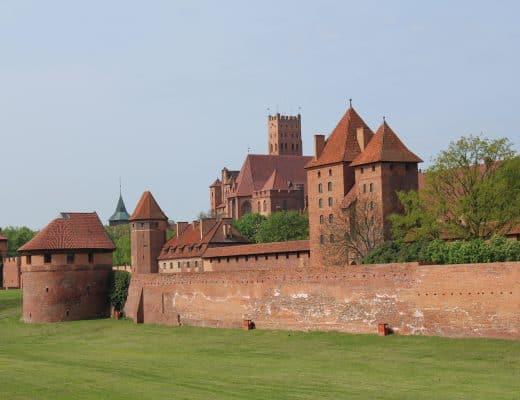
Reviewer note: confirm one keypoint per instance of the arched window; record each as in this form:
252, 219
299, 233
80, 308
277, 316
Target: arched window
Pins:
320, 203
258, 206
331, 238
371, 187
319, 174
329, 186
330, 171
322, 239
320, 188
322, 219
331, 218
265, 206
330, 201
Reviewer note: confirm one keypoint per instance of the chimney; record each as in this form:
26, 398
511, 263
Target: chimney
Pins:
363, 137
319, 144
179, 227
205, 225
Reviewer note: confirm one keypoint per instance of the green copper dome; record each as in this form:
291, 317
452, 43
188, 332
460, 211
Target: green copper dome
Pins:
120, 216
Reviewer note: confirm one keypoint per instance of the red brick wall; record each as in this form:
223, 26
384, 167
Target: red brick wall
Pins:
260, 262
12, 272
474, 300
148, 238
54, 293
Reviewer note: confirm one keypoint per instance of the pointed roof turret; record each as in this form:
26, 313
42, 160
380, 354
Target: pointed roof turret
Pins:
147, 209
385, 146
120, 215
342, 144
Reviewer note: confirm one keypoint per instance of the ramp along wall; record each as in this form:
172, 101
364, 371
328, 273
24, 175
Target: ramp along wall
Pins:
470, 300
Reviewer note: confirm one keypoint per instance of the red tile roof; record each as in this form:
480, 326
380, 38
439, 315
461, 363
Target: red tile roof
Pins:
260, 248
189, 243
147, 209
71, 231
342, 144
385, 146
257, 170
350, 197
216, 183
275, 182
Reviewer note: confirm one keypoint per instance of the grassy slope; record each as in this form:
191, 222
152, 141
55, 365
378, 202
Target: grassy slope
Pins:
120, 360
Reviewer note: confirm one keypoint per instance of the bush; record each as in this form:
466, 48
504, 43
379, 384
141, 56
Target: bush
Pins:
440, 252
119, 282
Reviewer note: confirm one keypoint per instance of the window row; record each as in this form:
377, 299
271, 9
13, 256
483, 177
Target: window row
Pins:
330, 202
330, 173
322, 219
331, 239
371, 187
320, 187
71, 257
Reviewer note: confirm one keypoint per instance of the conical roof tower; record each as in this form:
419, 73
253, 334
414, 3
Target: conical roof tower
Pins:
120, 216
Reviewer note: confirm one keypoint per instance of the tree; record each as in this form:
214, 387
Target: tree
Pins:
472, 190
283, 226
248, 225
17, 237
120, 235
352, 233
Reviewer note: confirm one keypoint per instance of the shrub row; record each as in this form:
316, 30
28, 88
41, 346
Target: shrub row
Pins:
441, 252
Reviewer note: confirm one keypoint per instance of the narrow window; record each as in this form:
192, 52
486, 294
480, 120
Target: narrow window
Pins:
90, 258
258, 206
265, 206
28, 260
320, 203
330, 201
171, 265
70, 258
330, 172
188, 264
371, 187
196, 264
331, 238
364, 187
321, 219
47, 258
320, 188
319, 174
373, 168
331, 218
178, 264
322, 239
267, 257
362, 169
329, 186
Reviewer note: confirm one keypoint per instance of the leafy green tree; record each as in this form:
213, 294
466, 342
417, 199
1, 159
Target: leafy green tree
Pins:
248, 225
120, 235
119, 283
17, 237
283, 226
472, 190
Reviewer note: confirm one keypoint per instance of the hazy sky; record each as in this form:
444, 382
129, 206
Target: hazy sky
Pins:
166, 93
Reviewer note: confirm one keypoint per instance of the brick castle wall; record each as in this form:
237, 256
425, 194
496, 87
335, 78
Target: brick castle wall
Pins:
470, 300
11, 273
54, 293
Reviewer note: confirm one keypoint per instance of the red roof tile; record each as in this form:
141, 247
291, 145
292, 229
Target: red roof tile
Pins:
216, 183
257, 170
275, 182
385, 146
342, 144
190, 244
71, 231
260, 248
350, 197
147, 209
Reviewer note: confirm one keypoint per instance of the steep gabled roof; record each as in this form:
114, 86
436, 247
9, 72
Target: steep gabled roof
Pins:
147, 209
120, 214
190, 244
385, 146
258, 169
342, 144
71, 231
275, 181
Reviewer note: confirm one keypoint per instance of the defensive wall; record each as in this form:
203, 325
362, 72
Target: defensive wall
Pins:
12, 273
466, 300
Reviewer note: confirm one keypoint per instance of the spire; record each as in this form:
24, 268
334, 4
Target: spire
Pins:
120, 215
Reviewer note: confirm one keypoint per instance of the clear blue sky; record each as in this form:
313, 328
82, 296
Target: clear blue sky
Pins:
166, 93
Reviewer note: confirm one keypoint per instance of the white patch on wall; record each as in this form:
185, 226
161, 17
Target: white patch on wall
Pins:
418, 314
300, 295
276, 293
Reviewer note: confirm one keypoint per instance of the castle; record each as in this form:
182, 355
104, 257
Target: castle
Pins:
207, 275
266, 183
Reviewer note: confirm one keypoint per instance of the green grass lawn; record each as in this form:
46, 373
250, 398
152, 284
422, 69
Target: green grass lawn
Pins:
107, 359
